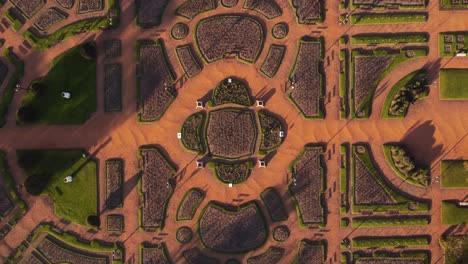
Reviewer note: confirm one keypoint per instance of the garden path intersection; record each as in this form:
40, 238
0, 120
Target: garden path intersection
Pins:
434, 130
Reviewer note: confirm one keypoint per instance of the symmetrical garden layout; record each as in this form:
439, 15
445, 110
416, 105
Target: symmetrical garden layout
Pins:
233, 131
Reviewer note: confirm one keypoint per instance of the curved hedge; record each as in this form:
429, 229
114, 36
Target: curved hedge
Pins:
192, 133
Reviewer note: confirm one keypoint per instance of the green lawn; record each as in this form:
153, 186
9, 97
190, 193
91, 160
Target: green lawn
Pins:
370, 242
387, 222
454, 173
453, 83
46, 170
71, 73
365, 39
454, 215
389, 18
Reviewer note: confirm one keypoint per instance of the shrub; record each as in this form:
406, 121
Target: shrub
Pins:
94, 220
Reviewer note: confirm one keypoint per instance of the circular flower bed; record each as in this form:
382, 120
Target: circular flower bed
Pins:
281, 233
179, 31
184, 235
280, 30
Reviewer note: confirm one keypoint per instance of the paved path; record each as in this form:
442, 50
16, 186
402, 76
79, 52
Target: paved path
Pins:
436, 129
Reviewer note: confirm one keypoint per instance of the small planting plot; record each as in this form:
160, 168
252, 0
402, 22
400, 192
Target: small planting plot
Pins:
231, 133
275, 207
115, 223
308, 87
390, 221
271, 256
113, 87
112, 48
154, 81
308, 185
6, 204
46, 171
383, 3
241, 35
189, 60
184, 235
49, 18
454, 173
73, 72
3, 72
156, 187
28, 7
66, 3
388, 18
16, 17
155, 254
344, 83
453, 84
273, 60
192, 133
114, 181
231, 91
311, 252
407, 241
404, 257
453, 214
149, 12
366, 39
308, 12
232, 230
268, 8
189, 204
192, 8
195, 255
86, 6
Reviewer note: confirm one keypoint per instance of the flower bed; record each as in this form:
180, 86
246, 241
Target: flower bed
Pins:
179, 31
155, 254
56, 251
308, 87
192, 133
189, 204
154, 81
189, 60
235, 92
280, 30
195, 256
113, 87
271, 128
86, 6
184, 235
281, 233
269, 8
156, 187
68, 4
232, 231
112, 48
274, 205
310, 253
233, 173
307, 11
191, 8
28, 7
383, 3
231, 133
271, 256
405, 166
149, 12
49, 18
114, 180
273, 60
220, 35
308, 187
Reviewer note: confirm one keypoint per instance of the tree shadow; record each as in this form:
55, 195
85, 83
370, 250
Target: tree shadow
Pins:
421, 143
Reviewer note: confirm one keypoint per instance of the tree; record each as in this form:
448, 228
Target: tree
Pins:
27, 114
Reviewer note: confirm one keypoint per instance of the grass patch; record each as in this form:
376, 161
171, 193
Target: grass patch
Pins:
344, 177
407, 80
42, 42
344, 70
399, 257
399, 57
74, 73
455, 248
9, 91
366, 39
13, 17
454, 173
390, 222
452, 214
389, 18
447, 4
454, 42
452, 84
46, 170
408, 241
